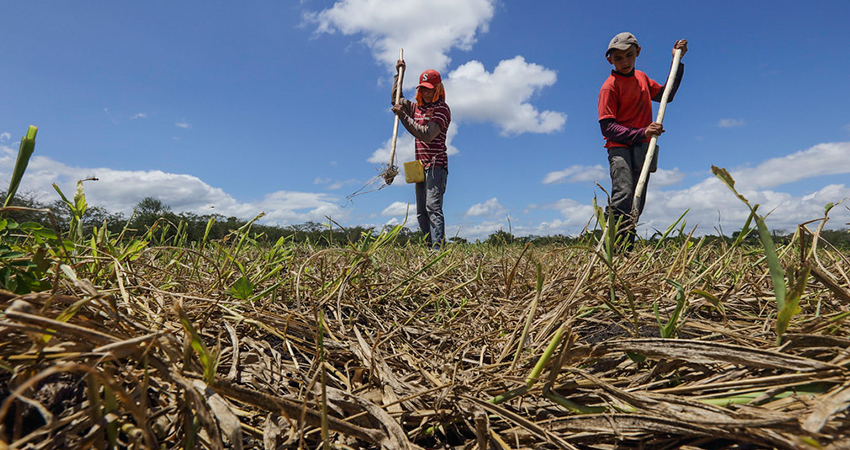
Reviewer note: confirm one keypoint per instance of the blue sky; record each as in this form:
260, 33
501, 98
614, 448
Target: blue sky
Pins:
239, 108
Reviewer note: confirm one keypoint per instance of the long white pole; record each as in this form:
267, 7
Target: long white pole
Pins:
650, 152
397, 100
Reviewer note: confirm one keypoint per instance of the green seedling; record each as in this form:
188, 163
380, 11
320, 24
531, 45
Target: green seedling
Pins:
24, 153
787, 306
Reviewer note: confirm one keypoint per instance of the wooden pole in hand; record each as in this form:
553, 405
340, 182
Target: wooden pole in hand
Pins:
392, 171
650, 152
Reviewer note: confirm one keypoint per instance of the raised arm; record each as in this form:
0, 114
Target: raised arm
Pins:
683, 45
396, 84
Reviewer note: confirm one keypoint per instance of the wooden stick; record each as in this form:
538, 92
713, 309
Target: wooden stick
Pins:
395, 121
650, 152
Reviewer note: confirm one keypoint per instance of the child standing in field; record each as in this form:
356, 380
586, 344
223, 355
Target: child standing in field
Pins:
625, 117
428, 119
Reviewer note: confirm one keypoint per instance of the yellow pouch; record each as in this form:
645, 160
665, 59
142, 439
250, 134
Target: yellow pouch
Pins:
413, 172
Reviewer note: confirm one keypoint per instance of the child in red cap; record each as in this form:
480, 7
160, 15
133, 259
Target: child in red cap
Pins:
625, 117
428, 120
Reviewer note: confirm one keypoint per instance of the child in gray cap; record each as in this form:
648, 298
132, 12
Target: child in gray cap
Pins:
625, 117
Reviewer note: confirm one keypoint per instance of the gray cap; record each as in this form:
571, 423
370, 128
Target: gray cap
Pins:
622, 41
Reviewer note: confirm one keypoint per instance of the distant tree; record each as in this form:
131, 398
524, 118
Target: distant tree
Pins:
838, 238
458, 240
500, 237
152, 206
26, 200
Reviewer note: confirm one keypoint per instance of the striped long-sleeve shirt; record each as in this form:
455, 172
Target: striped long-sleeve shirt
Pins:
420, 120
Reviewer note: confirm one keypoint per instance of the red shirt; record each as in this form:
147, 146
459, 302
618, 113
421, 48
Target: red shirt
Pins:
627, 100
433, 152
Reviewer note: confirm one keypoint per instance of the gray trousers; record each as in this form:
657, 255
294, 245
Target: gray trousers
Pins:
429, 205
625, 165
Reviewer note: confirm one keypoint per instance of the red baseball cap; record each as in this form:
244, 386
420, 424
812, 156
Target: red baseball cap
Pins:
429, 79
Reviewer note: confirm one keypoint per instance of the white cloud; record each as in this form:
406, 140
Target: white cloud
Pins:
822, 159
404, 149
119, 191
334, 185
183, 124
480, 230
730, 123
5, 136
505, 93
503, 96
140, 115
340, 184
576, 174
399, 209
387, 25
663, 177
490, 208
575, 215
712, 205
392, 222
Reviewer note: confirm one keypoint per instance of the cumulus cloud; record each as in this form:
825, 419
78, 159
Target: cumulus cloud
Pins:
730, 123
119, 191
387, 25
397, 209
480, 230
404, 149
490, 208
140, 115
392, 222
712, 206
663, 178
5, 136
576, 174
342, 183
502, 96
822, 159
183, 124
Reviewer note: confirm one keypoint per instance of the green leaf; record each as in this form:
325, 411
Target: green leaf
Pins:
30, 226
724, 176
208, 360
670, 328
777, 275
636, 357
59, 191
11, 255
45, 233
711, 298
132, 250
242, 289
791, 307
24, 153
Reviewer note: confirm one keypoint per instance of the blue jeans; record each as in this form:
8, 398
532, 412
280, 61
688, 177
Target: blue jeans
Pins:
429, 205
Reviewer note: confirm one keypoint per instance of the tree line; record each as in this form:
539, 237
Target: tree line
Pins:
151, 211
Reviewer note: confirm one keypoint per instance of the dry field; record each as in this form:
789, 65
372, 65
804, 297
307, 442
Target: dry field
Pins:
237, 344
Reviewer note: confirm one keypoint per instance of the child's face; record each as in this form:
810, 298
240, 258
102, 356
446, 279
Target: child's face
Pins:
427, 94
624, 60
